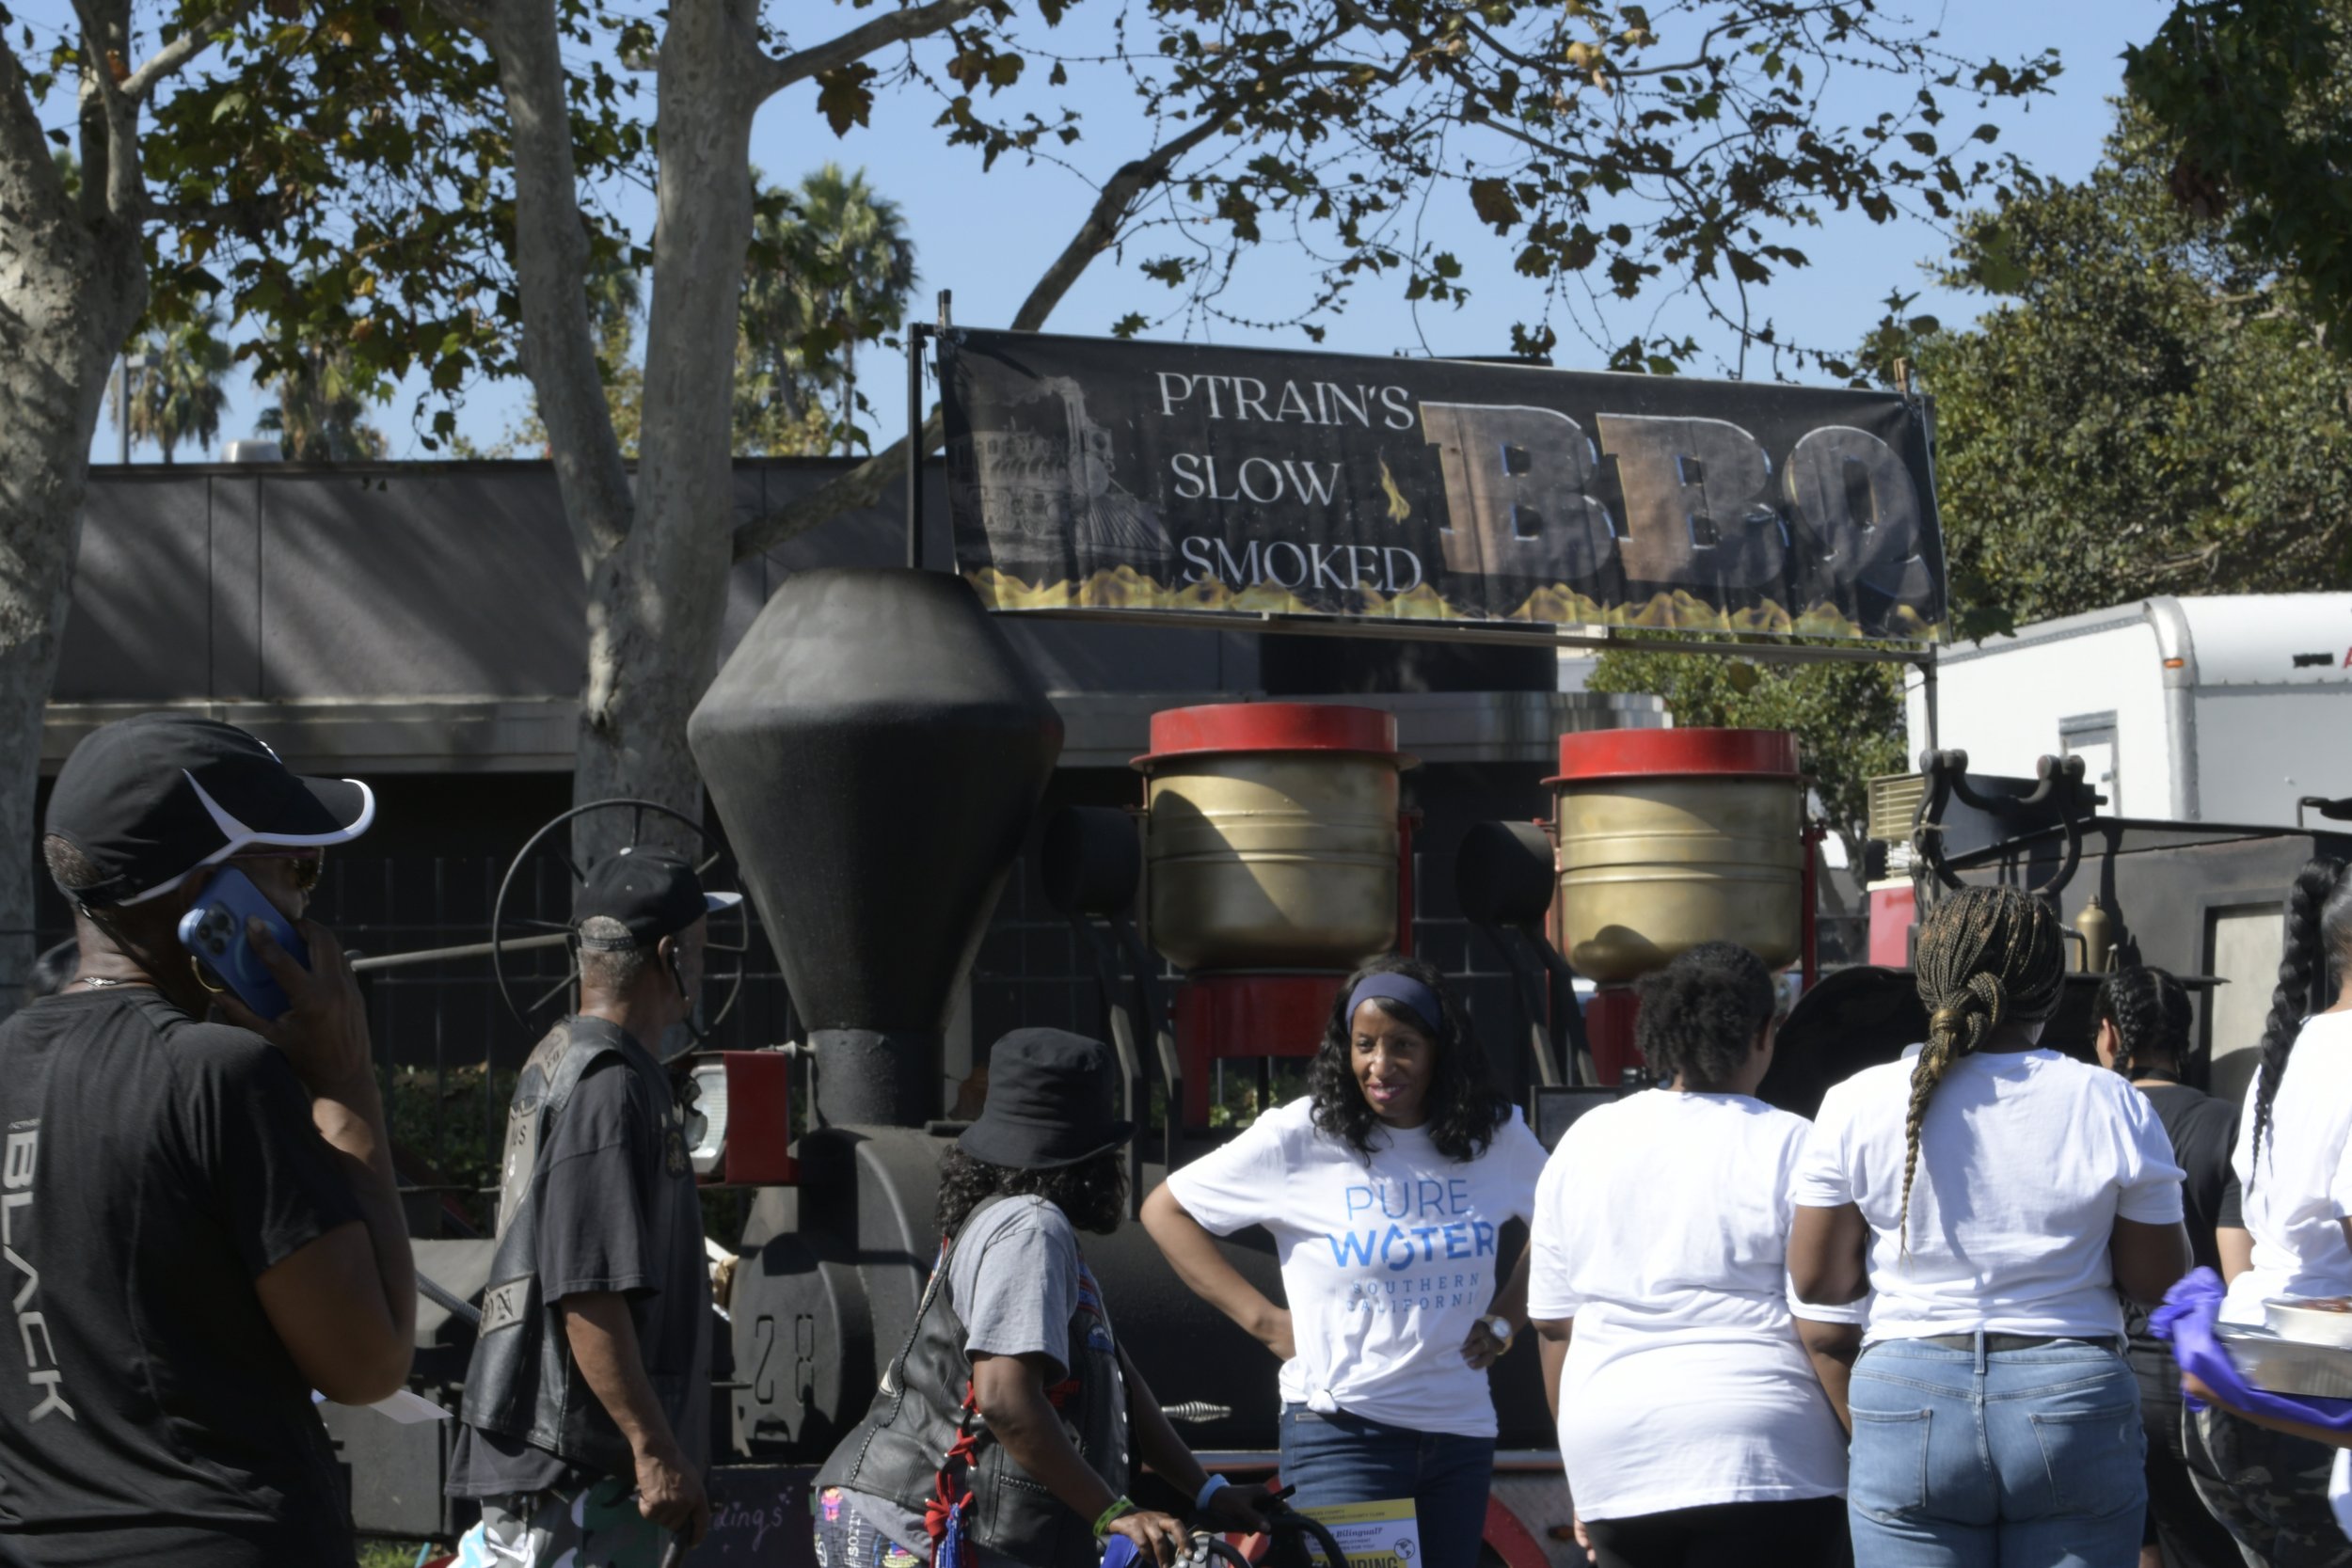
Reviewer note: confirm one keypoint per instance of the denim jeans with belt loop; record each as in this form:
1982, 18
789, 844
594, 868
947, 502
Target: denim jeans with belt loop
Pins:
1996, 1459
1334, 1457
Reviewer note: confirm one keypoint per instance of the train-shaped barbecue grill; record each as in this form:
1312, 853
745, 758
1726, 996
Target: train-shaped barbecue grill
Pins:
877, 752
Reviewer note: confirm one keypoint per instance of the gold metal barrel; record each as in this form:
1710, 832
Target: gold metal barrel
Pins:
1669, 838
1271, 835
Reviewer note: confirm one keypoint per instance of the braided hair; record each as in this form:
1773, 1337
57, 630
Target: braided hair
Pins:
1987, 956
2319, 929
2150, 1011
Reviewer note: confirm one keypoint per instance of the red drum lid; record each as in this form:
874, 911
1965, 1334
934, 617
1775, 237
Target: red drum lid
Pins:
1595, 754
1224, 728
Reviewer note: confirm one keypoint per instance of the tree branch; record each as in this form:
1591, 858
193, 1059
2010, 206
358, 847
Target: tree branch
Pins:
111, 186
474, 19
864, 484
180, 51
24, 145
860, 40
559, 349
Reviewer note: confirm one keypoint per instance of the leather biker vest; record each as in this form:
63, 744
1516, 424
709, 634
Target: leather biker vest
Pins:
523, 1382
901, 1450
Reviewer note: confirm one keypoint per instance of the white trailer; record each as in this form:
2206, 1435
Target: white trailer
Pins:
2225, 709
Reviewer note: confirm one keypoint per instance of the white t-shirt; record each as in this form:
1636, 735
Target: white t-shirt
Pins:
2026, 1158
2293, 1200
1662, 1227
1386, 1266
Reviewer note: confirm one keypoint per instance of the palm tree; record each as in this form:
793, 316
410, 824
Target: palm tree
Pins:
320, 412
832, 265
865, 262
180, 392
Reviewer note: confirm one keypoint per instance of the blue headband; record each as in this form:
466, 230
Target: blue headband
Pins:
1404, 988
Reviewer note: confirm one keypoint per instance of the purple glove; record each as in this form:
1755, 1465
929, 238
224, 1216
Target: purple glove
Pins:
2187, 1319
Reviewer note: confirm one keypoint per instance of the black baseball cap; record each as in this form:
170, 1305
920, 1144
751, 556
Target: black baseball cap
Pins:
148, 800
652, 892
1051, 1103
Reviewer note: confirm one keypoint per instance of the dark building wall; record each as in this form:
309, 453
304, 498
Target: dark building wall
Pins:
434, 592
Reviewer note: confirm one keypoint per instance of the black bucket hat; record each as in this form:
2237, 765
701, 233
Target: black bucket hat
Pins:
151, 798
1051, 1103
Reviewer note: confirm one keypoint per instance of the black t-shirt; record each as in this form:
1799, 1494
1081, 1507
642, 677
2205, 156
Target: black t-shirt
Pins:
619, 1213
155, 1167
2204, 1134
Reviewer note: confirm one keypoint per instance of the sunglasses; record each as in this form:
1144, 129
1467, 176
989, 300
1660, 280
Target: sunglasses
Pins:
304, 865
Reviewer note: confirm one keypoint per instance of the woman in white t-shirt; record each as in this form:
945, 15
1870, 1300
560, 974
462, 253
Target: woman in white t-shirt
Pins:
1700, 1423
1386, 1189
1995, 1197
2294, 1166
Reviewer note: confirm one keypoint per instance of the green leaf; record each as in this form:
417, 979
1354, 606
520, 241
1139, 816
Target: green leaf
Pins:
844, 96
1491, 199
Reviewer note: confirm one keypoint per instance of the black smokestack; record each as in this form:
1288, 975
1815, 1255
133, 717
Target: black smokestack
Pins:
874, 748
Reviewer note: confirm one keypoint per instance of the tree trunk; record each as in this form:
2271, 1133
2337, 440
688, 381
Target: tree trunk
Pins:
655, 604
656, 558
71, 290
655, 554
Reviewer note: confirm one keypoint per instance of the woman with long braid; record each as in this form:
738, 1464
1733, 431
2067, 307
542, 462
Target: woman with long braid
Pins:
1994, 1197
2144, 1020
2268, 1487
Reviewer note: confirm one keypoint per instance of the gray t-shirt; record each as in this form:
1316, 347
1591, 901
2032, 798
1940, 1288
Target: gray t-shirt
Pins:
1014, 1278
620, 1213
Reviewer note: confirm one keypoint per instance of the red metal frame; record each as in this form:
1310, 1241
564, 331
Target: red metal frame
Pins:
1809, 917
1512, 1541
758, 1152
1893, 912
1609, 1032
1220, 1017
1406, 822
1593, 754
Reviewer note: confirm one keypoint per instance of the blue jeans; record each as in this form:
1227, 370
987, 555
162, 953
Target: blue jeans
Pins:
2016, 1459
1341, 1458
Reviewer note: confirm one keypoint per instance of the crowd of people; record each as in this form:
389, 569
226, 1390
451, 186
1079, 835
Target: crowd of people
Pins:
1911, 1332
1914, 1331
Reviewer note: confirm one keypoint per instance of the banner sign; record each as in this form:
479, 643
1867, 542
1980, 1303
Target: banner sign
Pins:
1095, 473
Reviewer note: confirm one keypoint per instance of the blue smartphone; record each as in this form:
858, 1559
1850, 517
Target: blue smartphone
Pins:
215, 931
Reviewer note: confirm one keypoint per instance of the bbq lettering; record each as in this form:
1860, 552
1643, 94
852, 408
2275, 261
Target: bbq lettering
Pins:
1699, 501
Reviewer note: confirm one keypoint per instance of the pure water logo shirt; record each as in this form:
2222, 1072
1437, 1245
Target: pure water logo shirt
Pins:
1387, 1261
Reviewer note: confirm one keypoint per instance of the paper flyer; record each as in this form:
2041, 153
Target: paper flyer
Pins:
1374, 1535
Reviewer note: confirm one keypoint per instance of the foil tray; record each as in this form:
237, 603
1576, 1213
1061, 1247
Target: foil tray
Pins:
2284, 1365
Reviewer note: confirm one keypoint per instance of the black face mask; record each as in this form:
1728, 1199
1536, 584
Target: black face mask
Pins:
693, 1006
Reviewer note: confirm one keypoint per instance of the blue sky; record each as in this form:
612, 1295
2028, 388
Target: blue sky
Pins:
987, 236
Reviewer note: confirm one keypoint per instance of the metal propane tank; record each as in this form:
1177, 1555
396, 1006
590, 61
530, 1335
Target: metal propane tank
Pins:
1272, 834
1669, 838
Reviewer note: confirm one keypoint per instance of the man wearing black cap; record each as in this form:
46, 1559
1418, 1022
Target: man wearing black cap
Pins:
587, 1407
198, 1224
1001, 1432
